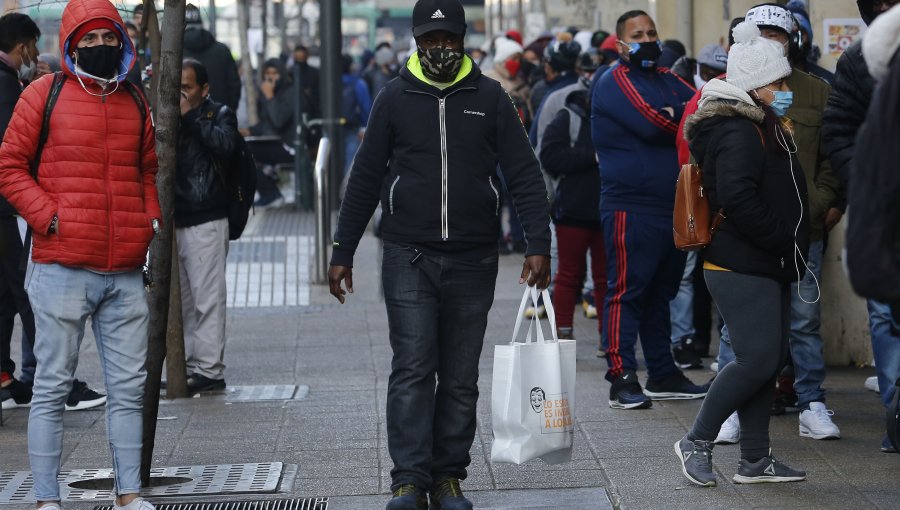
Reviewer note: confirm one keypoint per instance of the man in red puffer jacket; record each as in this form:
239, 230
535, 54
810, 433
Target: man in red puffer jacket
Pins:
93, 210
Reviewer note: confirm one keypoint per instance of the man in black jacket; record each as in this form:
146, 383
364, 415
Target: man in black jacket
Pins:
841, 122
18, 59
199, 44
208, 138
435, 138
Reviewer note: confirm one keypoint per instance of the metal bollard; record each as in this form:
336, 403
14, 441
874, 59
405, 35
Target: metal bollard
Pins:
323, 211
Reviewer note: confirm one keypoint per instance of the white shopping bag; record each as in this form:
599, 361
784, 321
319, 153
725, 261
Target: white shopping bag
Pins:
533, 394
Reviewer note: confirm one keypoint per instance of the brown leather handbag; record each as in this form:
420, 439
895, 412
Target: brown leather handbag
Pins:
691, 223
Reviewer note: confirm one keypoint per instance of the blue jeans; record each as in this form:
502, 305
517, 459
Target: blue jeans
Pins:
437, 313
726, 352
682, 307
62, 299
886, 348
806, 343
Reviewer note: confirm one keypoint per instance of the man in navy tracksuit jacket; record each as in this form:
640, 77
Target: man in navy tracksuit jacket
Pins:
635, 110
435, 138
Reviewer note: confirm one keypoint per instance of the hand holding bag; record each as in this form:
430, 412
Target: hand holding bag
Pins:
533, 393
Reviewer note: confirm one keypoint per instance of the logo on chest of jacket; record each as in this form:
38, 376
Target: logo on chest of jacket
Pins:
473, 112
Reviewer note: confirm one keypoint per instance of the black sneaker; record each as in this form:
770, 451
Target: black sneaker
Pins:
446, 495
685, 355
696, 461
81, 397
675, 387
16, 394
408, 497
767, 470
626, 393
197, 383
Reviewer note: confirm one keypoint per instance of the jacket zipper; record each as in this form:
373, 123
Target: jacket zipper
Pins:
107, 182
391, 195
445, 199
496, 194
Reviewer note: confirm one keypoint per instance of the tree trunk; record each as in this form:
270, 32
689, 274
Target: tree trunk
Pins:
246, 65
152, 21
176, 370
168, 119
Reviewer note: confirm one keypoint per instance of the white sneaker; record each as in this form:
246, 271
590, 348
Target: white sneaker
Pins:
136, 504
714, 366
816, 423
730, 433
872, 384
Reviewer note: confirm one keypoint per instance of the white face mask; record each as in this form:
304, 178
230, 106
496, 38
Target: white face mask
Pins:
26, 71
698, 81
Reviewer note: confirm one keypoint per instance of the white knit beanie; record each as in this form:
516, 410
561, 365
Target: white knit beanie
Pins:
881, 42
754, 61
505, 48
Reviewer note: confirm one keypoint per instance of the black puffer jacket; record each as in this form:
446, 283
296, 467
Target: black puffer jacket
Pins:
205, 148
431, 156
851, 93
577, 200
759, 186
10, 90
224, 82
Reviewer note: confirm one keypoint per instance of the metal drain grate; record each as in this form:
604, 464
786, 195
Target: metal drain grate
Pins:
269, 392
16, 486
274, 504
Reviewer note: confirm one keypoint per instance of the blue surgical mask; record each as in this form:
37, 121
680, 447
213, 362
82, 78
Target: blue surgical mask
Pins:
783, 101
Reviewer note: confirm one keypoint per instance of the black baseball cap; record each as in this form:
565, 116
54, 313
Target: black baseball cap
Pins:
430, 15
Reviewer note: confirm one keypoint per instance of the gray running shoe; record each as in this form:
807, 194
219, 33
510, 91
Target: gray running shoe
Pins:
767, 470
696, 461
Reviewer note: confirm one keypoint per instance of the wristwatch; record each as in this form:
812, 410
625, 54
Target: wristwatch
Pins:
155, 224
53, 223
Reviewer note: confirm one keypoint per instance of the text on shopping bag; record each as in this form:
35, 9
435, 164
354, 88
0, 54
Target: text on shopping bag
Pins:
553, 412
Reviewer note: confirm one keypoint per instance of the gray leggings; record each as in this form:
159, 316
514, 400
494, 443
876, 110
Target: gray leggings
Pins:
757, 313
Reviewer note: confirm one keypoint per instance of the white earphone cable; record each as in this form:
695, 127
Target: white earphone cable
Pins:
791, 150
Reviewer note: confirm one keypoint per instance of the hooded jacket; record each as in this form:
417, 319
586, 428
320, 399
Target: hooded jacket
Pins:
10, 90
635, 138
431, 156
845, 112
224, 82
94, 174
276, 115
757, 184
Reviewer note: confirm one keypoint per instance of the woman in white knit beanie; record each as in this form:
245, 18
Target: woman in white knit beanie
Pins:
752, 178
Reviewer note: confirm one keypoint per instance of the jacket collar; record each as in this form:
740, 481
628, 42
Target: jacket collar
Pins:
412, 73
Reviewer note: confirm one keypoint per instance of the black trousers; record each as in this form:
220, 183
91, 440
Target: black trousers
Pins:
13, 298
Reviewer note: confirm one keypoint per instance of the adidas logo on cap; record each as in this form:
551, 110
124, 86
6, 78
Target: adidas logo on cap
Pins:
437, 14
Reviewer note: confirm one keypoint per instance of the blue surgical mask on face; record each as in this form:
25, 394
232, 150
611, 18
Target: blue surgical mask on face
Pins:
783, 100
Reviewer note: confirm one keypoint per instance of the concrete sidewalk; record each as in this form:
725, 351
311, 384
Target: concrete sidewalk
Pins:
332, 440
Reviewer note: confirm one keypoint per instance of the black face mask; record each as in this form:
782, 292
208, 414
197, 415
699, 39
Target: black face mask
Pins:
101, 61
645, 54
440, 64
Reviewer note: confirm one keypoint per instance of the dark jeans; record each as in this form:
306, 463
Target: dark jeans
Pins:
13, 300
757, 311
437, 314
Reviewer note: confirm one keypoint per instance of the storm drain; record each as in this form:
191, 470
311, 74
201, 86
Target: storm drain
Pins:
274, 504
93, 484
267, 392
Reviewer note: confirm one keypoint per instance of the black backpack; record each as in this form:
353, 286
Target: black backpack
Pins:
241, 184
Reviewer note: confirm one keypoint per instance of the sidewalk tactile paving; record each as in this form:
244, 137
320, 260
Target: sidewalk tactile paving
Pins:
17, 486
265, 271
266, 392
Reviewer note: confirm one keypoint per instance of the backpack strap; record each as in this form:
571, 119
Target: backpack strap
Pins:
59, 79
